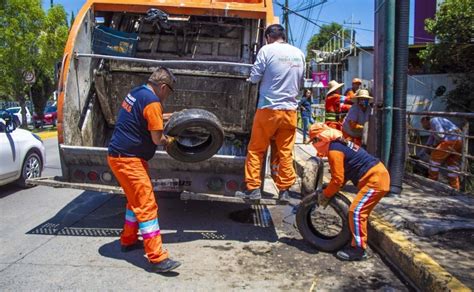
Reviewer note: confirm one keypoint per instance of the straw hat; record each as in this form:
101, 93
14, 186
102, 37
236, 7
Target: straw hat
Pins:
333, 86
356, 80
361, 93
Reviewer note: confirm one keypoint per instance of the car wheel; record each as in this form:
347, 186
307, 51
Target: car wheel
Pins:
54, 123
31, 168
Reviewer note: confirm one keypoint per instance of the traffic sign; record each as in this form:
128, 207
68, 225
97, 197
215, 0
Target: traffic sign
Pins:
29, 77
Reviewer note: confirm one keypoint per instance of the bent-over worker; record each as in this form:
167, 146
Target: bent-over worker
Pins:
139, 129
357, 117
447, 148
279, 68
348, 161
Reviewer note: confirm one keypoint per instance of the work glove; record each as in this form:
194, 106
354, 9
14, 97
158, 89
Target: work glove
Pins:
322, 200
248, 80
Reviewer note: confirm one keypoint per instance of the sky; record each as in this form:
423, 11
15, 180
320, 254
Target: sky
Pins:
331, 11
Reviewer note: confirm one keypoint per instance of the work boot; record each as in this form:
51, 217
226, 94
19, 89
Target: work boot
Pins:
249, 194
131, 247
284, 196
165, 266
351, 253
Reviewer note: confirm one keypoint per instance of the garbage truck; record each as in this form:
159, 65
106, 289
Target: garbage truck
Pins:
113, 46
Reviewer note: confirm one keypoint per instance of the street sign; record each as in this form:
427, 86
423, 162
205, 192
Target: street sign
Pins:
29, 77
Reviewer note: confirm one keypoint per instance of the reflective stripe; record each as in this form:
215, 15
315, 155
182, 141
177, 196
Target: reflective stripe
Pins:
130, 216
365, 198
452, 174
434, 162
435, 169
149, 227
456, 168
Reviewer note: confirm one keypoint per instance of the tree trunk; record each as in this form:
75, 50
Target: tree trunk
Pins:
21, 100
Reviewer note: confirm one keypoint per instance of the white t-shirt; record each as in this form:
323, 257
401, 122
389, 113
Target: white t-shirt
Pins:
280, 69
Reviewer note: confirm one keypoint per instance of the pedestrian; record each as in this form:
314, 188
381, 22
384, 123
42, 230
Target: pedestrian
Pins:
351, 92
279, 67
333, 104
448, 148
347, 161
306, 113
354, 123
138, 130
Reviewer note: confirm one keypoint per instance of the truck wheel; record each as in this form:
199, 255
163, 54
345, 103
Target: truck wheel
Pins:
198, 135
325, 229
312, 176
31, 168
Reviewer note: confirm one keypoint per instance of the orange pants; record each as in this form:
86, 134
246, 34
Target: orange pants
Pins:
372, 187
281, 125
142, 210
439, 156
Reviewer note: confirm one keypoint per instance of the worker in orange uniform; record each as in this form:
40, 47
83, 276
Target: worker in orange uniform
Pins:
335, 105
351, 162
351, 92
357, 117
138, 130
447, 148
279, 67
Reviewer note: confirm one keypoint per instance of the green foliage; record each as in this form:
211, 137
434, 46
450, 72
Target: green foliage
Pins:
326, 33
30, 39
453, 52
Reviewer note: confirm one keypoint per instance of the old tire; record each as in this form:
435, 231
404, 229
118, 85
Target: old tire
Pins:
197, 125
31, 168
318, 239
312, 176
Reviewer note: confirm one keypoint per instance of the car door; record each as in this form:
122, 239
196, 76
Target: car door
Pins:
9, 156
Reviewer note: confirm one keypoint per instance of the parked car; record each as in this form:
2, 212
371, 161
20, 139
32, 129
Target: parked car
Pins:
17, 112
22, 153
50, 117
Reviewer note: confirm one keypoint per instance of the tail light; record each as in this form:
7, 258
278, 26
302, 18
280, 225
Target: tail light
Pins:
93, 176
231, 185
215, 184
80, 175
106, 176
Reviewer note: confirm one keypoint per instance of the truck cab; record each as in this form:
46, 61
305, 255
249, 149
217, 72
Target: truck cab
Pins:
113, 46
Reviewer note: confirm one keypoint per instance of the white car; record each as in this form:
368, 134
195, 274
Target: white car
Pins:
17, 112
22, 153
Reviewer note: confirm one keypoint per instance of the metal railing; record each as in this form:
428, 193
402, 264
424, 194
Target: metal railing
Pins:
415, 136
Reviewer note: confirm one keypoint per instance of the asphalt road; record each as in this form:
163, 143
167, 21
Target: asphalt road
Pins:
63, 239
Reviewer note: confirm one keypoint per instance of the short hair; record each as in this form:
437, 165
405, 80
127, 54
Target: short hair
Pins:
162, 75
275, 31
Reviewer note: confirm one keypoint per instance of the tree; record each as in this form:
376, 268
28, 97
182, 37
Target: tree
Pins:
320, 39
453, 51
30, 40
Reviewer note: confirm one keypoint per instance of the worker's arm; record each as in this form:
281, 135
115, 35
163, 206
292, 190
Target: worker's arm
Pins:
436, 126
336, 163
153, 114
258, 68
355, 126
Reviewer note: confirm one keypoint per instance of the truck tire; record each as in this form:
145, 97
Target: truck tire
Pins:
181, 124
312, 176
339, 206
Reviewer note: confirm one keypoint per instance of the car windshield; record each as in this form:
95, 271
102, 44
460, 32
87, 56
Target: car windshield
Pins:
13, 110
50, 109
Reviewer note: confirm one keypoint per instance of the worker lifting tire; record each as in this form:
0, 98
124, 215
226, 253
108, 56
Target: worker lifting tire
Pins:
312, 176
331, 232
197, 133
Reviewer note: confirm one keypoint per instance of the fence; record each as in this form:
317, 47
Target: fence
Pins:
416, 135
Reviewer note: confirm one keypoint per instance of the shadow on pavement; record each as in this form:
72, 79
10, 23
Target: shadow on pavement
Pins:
9, 189
135, 257
300, 244
102, 215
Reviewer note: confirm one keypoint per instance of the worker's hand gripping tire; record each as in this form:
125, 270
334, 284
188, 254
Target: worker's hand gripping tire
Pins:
309, 212
189, 124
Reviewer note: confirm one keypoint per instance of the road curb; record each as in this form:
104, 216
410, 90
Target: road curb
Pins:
47, 135
415, 265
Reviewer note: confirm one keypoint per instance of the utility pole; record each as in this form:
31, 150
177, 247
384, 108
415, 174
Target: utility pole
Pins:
352, 22
52, 3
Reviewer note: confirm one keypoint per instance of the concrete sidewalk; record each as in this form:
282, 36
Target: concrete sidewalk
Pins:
426, 233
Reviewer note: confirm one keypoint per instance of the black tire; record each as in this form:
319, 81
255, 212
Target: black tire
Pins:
312, 176
183, 124
32, 167
54, 123
324, 242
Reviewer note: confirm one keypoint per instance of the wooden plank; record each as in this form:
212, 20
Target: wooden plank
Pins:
227, 199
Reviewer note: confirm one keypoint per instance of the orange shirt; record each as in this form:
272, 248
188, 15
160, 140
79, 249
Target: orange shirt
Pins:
333, 103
